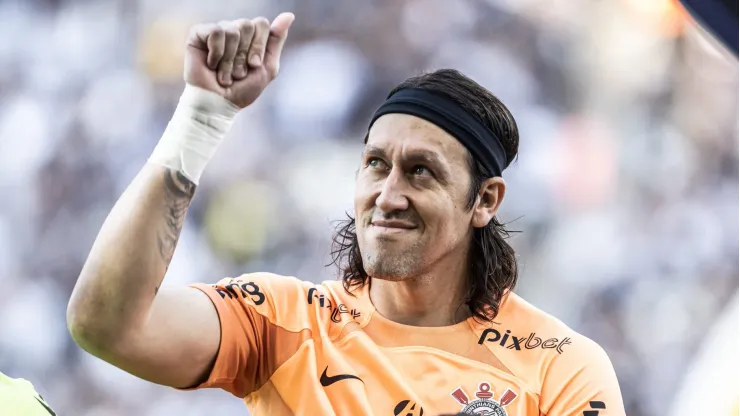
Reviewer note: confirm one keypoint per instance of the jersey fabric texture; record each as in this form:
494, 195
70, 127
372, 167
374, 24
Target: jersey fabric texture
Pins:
19, 398
290, 347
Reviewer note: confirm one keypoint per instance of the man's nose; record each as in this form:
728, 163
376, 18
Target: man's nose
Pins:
392, 195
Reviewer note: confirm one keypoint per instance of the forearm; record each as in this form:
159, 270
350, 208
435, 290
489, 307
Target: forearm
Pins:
117, 311
128, 260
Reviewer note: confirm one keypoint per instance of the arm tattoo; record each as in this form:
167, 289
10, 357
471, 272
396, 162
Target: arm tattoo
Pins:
178, 191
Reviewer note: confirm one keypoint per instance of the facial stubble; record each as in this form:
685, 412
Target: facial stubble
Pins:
390, 259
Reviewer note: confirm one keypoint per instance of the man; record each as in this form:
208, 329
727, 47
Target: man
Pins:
423, 320
19, 398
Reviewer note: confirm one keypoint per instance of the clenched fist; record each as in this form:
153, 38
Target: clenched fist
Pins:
236, 59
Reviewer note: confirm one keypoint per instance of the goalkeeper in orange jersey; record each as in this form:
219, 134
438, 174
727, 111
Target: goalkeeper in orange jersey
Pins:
423, 319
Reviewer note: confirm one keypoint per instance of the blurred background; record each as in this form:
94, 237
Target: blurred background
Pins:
625, 189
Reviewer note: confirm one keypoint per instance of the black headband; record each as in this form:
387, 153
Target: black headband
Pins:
450, 117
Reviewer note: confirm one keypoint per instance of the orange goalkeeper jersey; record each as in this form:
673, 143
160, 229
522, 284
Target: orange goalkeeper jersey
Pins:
290, 347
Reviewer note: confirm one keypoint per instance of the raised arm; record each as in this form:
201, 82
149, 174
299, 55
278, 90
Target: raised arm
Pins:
117, 311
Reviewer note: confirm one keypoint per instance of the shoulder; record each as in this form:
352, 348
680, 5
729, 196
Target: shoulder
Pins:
292, 303
522, 327
536, 345
570, 371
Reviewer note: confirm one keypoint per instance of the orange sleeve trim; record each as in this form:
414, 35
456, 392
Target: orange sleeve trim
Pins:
221, 375
251, 347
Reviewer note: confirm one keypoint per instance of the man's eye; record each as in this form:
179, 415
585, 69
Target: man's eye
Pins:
421, 170
374, 162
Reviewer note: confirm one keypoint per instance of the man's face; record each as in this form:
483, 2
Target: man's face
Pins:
411, 198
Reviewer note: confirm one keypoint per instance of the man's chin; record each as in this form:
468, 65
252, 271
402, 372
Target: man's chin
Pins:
391, 261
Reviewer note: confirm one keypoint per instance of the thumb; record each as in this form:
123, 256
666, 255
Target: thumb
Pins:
276, 41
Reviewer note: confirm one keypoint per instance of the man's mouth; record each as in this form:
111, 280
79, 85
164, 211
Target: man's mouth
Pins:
392, 224
389, 227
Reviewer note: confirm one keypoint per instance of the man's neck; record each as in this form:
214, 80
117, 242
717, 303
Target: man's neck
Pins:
430, 300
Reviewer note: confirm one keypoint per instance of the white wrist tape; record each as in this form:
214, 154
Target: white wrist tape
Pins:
200, 123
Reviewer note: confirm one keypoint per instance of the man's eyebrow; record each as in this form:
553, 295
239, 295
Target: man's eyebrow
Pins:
374, 151
425, 156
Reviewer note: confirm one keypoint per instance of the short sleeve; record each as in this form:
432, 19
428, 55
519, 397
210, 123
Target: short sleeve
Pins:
582, 382
246, 353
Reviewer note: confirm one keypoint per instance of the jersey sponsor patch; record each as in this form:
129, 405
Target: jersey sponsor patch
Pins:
529, 342
237, 288
336, 310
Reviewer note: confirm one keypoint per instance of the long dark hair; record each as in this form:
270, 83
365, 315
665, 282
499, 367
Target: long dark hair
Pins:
493, 266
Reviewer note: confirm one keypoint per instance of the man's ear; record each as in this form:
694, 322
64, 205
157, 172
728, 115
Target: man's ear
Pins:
490, 196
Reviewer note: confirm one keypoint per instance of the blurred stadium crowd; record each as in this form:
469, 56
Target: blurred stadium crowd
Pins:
625, 189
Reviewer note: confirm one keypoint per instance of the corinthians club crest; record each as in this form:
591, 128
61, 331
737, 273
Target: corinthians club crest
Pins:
484, 404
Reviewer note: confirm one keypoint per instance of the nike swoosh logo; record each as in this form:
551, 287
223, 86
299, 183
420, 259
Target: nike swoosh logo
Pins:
48, 409
327, 381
